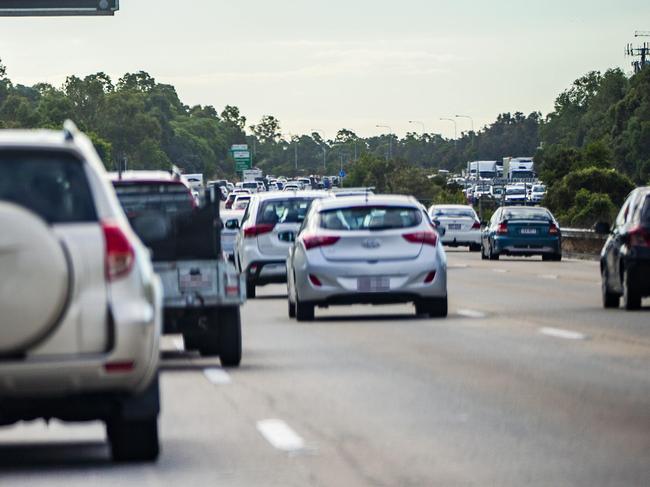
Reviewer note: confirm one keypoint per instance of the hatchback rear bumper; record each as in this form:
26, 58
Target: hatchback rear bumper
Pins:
527, 246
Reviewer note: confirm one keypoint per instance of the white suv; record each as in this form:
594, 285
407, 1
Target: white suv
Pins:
81, 318
266, 233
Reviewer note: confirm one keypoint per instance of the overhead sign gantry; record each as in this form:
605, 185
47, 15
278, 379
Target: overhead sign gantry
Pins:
38, 8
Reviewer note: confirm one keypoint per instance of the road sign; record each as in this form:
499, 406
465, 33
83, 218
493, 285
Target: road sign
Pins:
238, 148
241, 155
38, 8
341, 173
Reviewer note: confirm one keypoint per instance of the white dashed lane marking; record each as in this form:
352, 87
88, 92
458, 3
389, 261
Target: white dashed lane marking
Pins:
217, 376
179, 344
560, 333
548, 276
280, 435
470, 313
500, 271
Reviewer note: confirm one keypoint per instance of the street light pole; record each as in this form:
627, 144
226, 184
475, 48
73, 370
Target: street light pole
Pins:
390, 139
314, 131
421, 123
470, 119
455, 126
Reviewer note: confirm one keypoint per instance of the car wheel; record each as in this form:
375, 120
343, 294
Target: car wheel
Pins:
474, 247
304, 311
292, 309
547, 257
631, 295
492, 255
192, 339
133, 440
230, 349
483, 253
610, 300
434, 307
250, 290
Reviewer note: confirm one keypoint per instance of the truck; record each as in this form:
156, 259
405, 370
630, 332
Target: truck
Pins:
203, 292
519, 168
482, 169
252, 174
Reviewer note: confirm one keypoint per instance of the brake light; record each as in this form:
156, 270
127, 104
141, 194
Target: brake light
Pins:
502, 229
639, 237
119, 367
315, 280
313, 241
430, 277
424, 238
256, 230
120, 256
553, 229
476, 226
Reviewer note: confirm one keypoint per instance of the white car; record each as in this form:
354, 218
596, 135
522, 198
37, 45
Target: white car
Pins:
241, 202
515, 195
537, 193
371, 249
231, 221
292, 187
460, 225
81, 321
267, 231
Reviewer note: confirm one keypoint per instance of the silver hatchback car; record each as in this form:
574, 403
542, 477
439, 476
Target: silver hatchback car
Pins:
367, 249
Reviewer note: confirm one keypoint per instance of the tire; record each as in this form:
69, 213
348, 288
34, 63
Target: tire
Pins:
492, 255
483, 253
631, 295
250, 290
304, 311
434, 307
547, 257
474, 247
133, 440
610, 300
192, 339
292, 309
230, 348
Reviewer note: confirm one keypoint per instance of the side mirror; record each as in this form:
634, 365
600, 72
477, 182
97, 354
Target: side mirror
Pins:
232, 224
601, 228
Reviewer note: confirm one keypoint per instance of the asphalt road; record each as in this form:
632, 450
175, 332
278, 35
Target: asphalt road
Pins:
527, 382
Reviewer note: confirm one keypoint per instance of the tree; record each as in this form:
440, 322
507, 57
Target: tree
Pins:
268, 130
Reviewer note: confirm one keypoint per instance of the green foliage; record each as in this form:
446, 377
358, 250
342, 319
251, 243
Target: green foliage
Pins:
589, 208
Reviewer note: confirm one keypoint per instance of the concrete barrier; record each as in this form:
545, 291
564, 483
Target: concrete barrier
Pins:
582, 243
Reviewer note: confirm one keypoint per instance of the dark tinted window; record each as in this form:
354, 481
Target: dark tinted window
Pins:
290, 210
645, 211
137, 198
370, 218
527, 214
52, 184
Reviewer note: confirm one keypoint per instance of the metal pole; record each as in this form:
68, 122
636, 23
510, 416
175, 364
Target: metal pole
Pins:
470, 119
390, 139
455, 125
421, 123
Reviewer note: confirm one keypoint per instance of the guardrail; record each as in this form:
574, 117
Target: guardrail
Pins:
582, 242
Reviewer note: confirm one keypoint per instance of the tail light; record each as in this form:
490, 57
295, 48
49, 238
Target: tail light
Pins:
476, 226
423, 238
260, 229
119, 252
430, 277
502, 229
315, 280
313, 241
119, 367
639, 237
553, 229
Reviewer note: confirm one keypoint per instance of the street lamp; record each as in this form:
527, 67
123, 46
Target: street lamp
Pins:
315, 131
390, 139
455, 126
421, 123
470, 119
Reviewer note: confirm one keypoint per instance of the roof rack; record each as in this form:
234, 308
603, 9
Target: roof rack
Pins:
69, 130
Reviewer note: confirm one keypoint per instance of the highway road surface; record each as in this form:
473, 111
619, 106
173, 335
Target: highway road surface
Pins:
528, 382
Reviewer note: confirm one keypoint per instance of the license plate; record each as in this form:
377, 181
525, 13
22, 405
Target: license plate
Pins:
373, 284
529, 231
191, 279
454, 226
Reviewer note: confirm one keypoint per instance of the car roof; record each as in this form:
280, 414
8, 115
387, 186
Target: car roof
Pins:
291, 194
40, 138
370, 200
146, 177
453, 207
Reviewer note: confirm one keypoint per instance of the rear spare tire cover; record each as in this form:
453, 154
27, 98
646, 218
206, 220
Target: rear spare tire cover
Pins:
34, 279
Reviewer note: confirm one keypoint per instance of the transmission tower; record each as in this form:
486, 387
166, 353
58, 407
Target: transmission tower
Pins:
642, 52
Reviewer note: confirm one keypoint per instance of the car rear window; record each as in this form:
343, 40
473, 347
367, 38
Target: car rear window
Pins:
286, 210
515, 191
527, 214
370, 218
454, 212
52, 184
140, 197
645, 212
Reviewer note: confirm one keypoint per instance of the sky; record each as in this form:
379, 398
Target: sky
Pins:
323, 65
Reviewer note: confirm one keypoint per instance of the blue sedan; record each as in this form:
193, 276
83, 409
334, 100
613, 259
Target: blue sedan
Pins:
522, 230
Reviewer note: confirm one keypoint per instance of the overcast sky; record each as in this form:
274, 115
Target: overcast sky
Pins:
328, 64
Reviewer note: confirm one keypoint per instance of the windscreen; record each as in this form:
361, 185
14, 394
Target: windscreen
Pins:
527, 214
137, 198
52, 184
523, 175
453, 212
289, 210
488, 174
370, 218
515, 191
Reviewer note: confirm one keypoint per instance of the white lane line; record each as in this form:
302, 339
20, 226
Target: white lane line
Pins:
217, 376
179, 344
548, 276
458, 266
470, 313
280, 435
560, 333
500, 271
